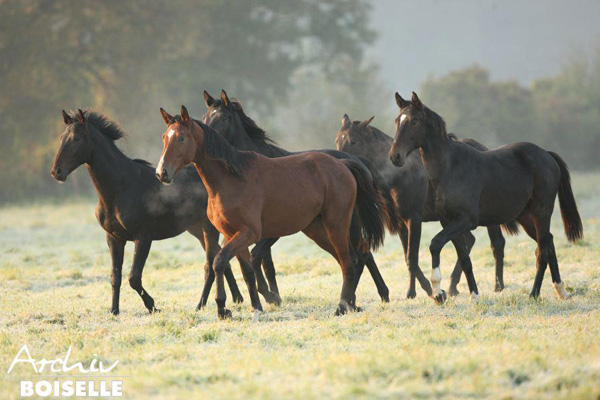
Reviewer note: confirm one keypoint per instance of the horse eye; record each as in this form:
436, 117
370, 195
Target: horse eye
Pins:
415, 121
180, 139
352, 142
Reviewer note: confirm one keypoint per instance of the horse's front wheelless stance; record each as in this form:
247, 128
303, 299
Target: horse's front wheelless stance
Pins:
252, 196
482, 188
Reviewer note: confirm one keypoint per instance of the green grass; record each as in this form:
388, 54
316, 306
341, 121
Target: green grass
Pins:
55, 292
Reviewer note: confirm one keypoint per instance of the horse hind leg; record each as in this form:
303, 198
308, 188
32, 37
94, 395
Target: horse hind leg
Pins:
530, 224
497, 243
316, 231
261, 254
362, 255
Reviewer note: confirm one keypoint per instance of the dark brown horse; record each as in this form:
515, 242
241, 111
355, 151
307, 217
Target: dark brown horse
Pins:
413, 198
229, 119
482, 188
132, 204
253, 196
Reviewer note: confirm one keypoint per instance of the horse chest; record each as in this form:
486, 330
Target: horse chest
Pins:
108, 220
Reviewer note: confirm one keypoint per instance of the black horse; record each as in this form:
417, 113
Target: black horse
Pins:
229, 119
413, 198
133, 205
482, 188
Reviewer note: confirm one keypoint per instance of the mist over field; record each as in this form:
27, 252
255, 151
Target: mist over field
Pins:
496, 71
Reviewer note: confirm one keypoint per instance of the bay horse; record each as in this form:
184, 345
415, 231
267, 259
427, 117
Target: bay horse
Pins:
413, 197
482, 188
132, 204
253, 196
229, 119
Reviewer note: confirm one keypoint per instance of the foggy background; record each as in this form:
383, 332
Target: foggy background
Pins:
496, 71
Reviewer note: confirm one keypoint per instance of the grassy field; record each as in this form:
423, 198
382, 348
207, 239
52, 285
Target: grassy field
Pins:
55, 293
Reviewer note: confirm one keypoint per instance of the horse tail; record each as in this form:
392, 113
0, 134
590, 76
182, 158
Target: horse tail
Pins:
511, 228
391, 219
371, 205
568, 206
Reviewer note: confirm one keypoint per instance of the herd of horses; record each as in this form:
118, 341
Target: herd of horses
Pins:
223, 175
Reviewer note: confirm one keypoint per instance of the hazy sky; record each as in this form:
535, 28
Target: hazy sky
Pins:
519, 40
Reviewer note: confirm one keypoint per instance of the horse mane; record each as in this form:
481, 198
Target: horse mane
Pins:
107, 127
255, 132
218, 147
437, 122
378, 133
102, 123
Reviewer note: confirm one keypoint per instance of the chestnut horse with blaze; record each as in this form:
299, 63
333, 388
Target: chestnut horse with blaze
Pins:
251, 196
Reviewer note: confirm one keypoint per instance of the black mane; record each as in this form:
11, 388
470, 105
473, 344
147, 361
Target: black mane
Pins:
255, 132
436, 121
218, 147
108, 128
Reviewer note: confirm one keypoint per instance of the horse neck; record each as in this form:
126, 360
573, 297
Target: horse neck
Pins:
109, 168
381, 146
243, 141
436, 156
211, 171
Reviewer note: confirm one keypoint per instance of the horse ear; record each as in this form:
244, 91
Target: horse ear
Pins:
225, 98
67, 118
366, 122
416, 102
185, 116
80, 116
166, 116
401, 102
345, 121
208, 99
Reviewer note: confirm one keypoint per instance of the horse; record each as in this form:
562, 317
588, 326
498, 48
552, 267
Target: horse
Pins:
518, 181
252, 196
229, 119
413, 197
132, 204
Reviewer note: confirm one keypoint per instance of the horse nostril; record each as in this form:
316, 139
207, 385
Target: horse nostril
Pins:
58, 171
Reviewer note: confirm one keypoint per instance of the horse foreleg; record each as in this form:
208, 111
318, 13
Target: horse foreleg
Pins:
142, 248
462, 251
469, 241
117, 250
437, 244
238, 242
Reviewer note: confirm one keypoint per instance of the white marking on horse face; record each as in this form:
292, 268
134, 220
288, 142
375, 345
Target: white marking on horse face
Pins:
214, 111
402, 118
171, 133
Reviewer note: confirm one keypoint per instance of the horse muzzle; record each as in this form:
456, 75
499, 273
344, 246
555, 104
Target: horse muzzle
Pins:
58, 174
163, 175
397, 159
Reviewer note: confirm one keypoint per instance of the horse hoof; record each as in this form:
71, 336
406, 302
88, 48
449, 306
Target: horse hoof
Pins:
440, 298
225, 314
154, 310
272, 298
256, 315
358, 309
474, 297
411, 294
385, 298
238, 299
499, 287
452, 291
114, 312
341, 310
